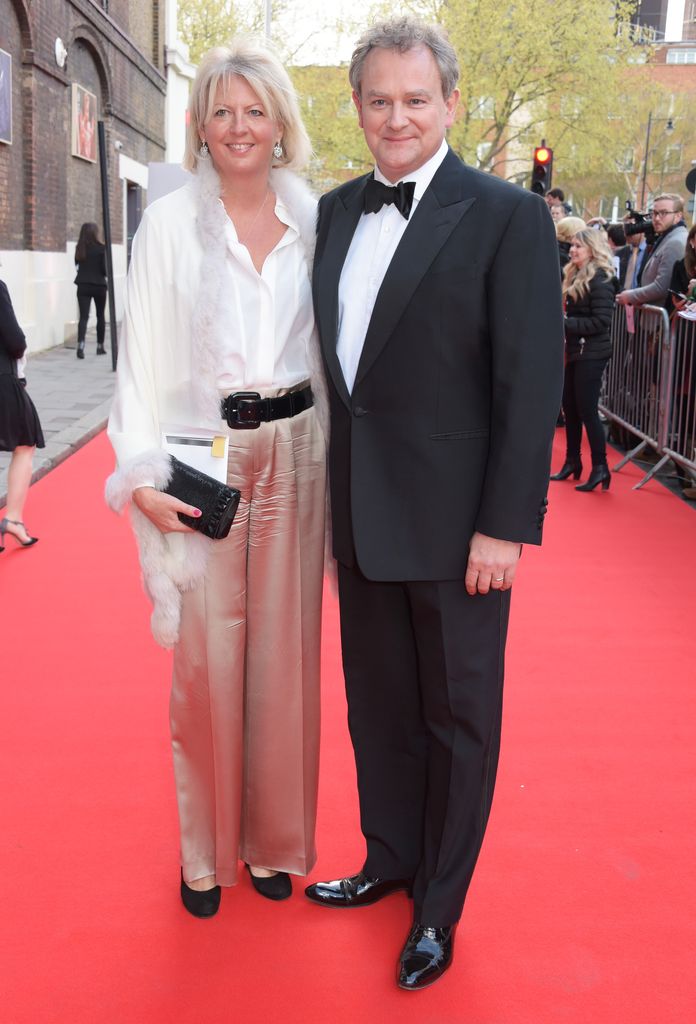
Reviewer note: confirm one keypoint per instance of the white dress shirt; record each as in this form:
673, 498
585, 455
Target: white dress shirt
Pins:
371, 250
267, 346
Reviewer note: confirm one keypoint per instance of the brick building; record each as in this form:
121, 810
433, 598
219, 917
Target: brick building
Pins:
67, 64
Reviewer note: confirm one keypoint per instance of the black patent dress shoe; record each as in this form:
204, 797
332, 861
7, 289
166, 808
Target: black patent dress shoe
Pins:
200, 904
355, 891
425, 957
275, 887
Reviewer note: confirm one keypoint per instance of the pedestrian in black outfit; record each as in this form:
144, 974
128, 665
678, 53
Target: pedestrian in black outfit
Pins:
90, 260
589, 290
20, 429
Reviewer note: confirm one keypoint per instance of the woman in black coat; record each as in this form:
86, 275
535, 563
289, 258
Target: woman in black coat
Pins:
90, 260
681, 287
20, 430
589, 290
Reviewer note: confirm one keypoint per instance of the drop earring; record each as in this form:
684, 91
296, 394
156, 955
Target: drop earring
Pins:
204, 151
278, 150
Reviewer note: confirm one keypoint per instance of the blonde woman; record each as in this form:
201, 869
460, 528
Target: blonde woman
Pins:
565, 229
219, 334
589, 291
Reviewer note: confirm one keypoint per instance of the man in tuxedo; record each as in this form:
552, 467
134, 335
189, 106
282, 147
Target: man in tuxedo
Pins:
438, 303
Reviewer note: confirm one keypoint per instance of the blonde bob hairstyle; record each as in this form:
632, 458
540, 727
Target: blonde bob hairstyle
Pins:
576, 280
567, 227
255, 62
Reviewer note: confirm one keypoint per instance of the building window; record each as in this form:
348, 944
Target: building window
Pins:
681, 56
672, 160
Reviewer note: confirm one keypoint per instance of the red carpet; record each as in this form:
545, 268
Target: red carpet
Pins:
582, 909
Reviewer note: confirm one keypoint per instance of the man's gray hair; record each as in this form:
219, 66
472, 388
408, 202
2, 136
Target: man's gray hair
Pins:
405, 34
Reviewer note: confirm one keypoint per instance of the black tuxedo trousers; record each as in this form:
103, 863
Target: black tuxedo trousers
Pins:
424, 712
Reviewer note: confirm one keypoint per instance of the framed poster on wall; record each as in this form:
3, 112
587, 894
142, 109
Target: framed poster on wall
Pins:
84, 123
5, 97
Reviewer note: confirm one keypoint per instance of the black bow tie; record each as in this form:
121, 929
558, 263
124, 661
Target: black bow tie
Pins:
378, 194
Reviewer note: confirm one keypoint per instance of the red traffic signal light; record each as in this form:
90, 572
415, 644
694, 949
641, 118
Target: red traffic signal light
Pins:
542, 170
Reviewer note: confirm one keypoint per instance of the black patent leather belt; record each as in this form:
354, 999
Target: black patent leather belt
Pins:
247, 410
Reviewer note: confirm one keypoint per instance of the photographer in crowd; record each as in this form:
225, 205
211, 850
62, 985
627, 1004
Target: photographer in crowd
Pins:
670, 241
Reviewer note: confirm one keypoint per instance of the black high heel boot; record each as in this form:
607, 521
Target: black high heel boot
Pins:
599, 475
80, 350
571, 467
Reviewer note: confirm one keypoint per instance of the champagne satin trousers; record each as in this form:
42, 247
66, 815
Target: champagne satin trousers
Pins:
245, 692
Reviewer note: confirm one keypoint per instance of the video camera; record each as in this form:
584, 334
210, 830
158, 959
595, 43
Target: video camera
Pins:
642, 224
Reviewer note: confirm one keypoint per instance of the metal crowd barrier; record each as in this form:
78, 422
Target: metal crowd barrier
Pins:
680, 442
648, 388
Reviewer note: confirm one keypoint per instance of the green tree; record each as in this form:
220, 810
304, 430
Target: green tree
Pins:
203, 24
331, 120
206, 23
536, 70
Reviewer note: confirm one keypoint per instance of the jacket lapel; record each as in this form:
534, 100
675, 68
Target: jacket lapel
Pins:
443, 205
345, 215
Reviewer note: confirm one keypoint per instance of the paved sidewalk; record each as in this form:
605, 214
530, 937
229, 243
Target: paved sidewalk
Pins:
73, 398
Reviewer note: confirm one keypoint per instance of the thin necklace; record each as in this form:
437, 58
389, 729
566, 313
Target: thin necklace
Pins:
253, 223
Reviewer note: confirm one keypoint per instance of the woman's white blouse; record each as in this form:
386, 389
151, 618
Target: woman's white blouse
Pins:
188, 320
273, 316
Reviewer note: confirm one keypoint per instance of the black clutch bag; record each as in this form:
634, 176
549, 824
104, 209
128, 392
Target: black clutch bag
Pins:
217, 502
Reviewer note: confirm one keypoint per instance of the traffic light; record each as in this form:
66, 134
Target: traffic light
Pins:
542, 170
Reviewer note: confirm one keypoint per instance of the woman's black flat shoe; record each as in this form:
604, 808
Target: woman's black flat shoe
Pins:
276, 887
200, 904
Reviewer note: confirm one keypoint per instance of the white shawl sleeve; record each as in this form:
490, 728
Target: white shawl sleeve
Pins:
133, 426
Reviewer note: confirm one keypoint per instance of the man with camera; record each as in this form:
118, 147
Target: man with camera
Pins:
670, 243
637, 244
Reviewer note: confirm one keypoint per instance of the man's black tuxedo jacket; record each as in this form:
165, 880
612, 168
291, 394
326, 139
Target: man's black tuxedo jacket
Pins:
449, 426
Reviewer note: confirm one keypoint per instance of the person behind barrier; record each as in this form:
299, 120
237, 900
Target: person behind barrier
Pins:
589, 290
554, 195
558, 211
682, 286
90, 263
565, 230
671, 232
619, 248
218, 333
638, 246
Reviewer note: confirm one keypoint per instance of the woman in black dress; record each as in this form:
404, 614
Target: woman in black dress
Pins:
20, 430
589, 290
90, 260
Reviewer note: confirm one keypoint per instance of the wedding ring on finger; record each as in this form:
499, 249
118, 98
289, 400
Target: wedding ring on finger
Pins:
499, 579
